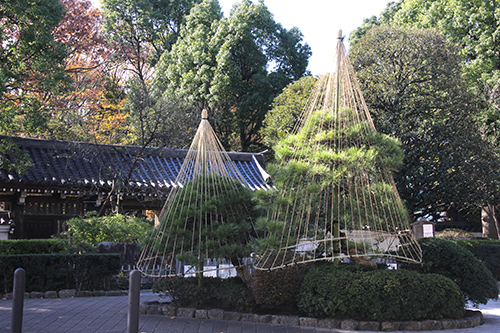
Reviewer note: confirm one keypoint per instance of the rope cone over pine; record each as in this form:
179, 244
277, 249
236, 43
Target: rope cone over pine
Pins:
336, 198
207, 215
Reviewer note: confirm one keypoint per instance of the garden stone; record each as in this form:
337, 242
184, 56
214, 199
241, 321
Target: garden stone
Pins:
250, 317
233, 316
477, 317
169, 310
270, 319
154, 309
216, 314
98, 293
50, 294
149, 308
467, 322
430, 325
201, 314
65, 293
368, 326
390, 325
83, 293
329, 323
129, 252
480, 315
307, 321
410, 326
349, 324
449, 324
463, 322
185, 312
113, 293
289, 320
36, 294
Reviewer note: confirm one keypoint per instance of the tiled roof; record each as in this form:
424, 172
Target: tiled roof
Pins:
88, 167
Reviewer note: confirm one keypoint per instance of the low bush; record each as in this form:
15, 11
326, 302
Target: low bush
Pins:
276, 290
455, 234
487, 251
228, 294
32, 246
60, 271
447, 258
93, 229
379, 295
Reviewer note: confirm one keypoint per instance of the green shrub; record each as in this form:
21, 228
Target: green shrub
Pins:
487, 251
32, 246
228, 294
447, 258
93, 229
455, 234
60, 271
277, 290
379, 295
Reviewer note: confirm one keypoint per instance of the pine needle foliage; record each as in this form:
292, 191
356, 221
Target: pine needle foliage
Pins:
209, 226
209, 214
336, 197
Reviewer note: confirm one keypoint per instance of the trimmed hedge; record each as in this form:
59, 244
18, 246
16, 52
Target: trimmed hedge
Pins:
32, 246
277, 290
487, 251
447, 258
379, 295
210, 292
60, 271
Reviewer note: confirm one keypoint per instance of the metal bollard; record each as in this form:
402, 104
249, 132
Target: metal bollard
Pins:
134, 296
16, 325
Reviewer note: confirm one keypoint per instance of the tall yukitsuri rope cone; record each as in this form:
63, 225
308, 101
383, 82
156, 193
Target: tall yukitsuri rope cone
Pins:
204, 217
336, 196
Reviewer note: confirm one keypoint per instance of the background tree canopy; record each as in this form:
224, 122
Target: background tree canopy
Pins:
32, 63
72, 72
286, 110
234, 66
135, 71
473, 27
411, 81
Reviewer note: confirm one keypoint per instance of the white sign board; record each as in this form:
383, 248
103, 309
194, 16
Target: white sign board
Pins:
226, 271
210, 271
189, 269
428, 230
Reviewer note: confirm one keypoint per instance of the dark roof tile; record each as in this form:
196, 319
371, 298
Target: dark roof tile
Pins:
97, 167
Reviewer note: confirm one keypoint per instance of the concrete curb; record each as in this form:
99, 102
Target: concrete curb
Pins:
472, 318
68, 293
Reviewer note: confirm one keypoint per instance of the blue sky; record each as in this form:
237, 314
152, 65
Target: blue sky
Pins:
319, 21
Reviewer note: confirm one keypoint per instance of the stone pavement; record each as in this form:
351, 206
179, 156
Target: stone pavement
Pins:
109, 314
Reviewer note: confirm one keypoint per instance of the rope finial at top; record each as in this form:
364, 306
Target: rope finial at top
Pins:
340, 36
204, 114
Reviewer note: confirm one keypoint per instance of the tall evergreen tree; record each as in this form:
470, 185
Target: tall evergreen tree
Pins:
144, 30
412, 83
235, 66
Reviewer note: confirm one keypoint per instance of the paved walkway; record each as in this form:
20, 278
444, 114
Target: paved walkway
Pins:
109, 314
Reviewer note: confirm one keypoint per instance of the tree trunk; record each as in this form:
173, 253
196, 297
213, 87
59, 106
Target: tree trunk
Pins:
244, 274
490, 222
242, 271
